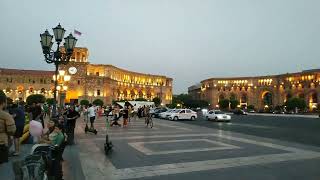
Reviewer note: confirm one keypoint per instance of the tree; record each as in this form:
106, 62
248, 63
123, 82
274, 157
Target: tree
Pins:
294, 103
157, 101
50, 101
35, 98
84, 102
224, 103
98, 102
2, 93
251, 107
233, 103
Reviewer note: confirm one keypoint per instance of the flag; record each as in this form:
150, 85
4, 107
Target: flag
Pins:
77, 33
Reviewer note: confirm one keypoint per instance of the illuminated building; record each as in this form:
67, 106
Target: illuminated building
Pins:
261, 91
88, 81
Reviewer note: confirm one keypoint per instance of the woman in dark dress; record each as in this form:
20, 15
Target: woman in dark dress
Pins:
125, 116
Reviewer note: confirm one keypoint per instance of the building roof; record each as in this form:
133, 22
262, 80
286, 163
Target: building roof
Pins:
26, 72
264, 76
133, 72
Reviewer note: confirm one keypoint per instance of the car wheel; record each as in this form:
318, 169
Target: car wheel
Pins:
193, 118
215, 119
176, 118
207, 118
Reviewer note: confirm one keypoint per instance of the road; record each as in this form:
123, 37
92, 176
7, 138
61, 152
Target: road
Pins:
294, 129
203, 150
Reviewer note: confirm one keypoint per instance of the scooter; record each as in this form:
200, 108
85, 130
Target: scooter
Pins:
92, 130
87, 129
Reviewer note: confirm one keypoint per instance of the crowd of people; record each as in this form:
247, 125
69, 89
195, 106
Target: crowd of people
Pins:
46, 131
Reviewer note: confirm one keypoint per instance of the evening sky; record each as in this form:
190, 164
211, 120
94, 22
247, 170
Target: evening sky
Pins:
188, 40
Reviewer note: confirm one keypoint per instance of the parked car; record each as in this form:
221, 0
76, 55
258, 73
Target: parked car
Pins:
183, 114
278, 112
164, 115
240, 112
156, 113
218, 115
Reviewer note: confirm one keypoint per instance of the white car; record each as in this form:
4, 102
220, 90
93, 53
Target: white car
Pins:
183, 114
164, 115
217, 116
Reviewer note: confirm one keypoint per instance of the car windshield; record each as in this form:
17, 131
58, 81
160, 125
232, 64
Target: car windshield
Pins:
219, 112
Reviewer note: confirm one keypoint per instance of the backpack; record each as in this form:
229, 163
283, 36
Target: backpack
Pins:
33, 168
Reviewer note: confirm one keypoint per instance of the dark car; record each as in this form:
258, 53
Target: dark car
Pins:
240, 112
156, 113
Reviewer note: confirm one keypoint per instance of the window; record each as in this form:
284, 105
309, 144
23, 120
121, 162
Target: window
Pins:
41, 81
188, 111
97, 73
29, 80
183, 111
98, 92
78, 82
44, 81
33, 81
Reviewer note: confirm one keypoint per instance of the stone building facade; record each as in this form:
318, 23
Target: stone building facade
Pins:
88, 81
261, 91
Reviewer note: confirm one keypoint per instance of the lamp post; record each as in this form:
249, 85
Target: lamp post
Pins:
62, 78
57, 57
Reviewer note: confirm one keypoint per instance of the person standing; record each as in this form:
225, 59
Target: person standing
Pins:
36, 113
125, 116
45, 110
91, 115
72, 116
19, 118
7, 128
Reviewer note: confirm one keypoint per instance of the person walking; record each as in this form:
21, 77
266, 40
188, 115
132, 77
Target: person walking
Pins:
19, 118
7, 128
92, 115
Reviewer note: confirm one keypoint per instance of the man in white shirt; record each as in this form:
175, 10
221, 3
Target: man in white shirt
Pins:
91, 114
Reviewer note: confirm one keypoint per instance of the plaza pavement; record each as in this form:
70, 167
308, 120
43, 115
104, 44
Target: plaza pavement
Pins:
175, 150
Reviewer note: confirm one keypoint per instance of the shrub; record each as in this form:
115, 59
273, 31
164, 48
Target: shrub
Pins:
84, 102
224, 103
251, 107
50, 101
98, 102
35, 98
294, 103
233, 103
157, 101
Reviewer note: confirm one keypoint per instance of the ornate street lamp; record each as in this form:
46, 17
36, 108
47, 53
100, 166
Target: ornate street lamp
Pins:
57, 57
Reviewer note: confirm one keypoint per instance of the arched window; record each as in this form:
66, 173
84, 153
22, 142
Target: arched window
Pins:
267, 98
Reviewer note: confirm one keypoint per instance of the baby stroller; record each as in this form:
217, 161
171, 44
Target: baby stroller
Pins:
43, 163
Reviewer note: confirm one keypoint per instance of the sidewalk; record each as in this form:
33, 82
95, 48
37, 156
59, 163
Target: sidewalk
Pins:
285, 115
6, 170
70, 165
